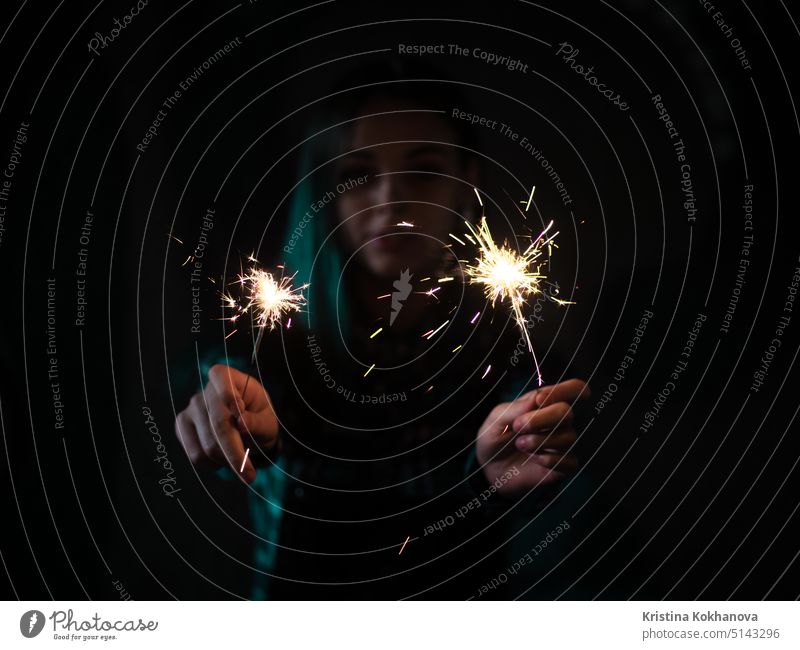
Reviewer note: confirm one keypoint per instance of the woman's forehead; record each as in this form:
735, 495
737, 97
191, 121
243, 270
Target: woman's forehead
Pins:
407, 126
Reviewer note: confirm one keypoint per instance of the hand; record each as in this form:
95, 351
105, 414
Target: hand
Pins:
221, 422
533, 434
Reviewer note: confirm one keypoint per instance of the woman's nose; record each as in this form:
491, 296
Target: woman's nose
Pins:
388, 197
389, 191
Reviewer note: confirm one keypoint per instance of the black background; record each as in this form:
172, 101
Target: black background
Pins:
702, 505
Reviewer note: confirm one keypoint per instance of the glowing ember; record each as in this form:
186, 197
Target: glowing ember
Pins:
404, 544
433, 332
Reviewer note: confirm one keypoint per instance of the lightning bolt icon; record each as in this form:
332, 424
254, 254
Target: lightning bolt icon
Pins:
402, 290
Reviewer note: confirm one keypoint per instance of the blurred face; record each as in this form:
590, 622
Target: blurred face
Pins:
407, 181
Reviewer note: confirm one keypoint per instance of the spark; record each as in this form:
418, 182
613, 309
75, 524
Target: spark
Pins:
433, 333
430, 292
505, 428
508, 274
471, 239
533, 189
457, 239
376, 332
169, 234
429, 389
456, 349
522, 213
246, 454
188, 259
558, 301
426, 333
478, 195
404, 544
386, 295
405, 224
231, 334
369, 369
447, 279
289, 324
474, 318
424, 279
486, 372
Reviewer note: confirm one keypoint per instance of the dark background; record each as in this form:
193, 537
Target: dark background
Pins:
701, 505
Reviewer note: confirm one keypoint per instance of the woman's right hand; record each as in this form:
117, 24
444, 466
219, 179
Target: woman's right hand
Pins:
221, 422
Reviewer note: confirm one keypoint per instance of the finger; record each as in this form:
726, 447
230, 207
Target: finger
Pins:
187, 436
503, 414
221, 439
566, 391
238, 390
205, 435
548, 417
261, 427
557, 441
228, 385
563, 463
254, 395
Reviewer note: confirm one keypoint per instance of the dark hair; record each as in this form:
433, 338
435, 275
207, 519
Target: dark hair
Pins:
404, 80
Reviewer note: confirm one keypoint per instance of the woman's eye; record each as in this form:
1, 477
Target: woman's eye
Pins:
355, 172
427, 172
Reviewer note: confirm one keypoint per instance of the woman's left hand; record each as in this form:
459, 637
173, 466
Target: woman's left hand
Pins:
527, 442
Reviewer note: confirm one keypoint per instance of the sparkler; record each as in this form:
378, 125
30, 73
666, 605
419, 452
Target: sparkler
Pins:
509, 275
266, 298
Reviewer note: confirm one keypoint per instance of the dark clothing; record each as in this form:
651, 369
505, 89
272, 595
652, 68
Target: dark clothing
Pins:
367, 462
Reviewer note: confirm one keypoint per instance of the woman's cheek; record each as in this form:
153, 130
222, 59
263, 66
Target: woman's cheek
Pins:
351, 217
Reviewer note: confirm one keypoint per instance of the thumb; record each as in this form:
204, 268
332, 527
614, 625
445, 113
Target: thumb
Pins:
505, 414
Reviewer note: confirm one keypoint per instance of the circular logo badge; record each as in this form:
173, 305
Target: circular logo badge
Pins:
31, 623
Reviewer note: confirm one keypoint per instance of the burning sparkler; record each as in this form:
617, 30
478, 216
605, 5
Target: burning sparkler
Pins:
266, 298
507, 274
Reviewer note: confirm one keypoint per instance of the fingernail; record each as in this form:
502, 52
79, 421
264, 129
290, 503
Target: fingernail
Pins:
521, 443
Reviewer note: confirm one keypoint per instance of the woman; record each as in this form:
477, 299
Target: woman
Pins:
385, 459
